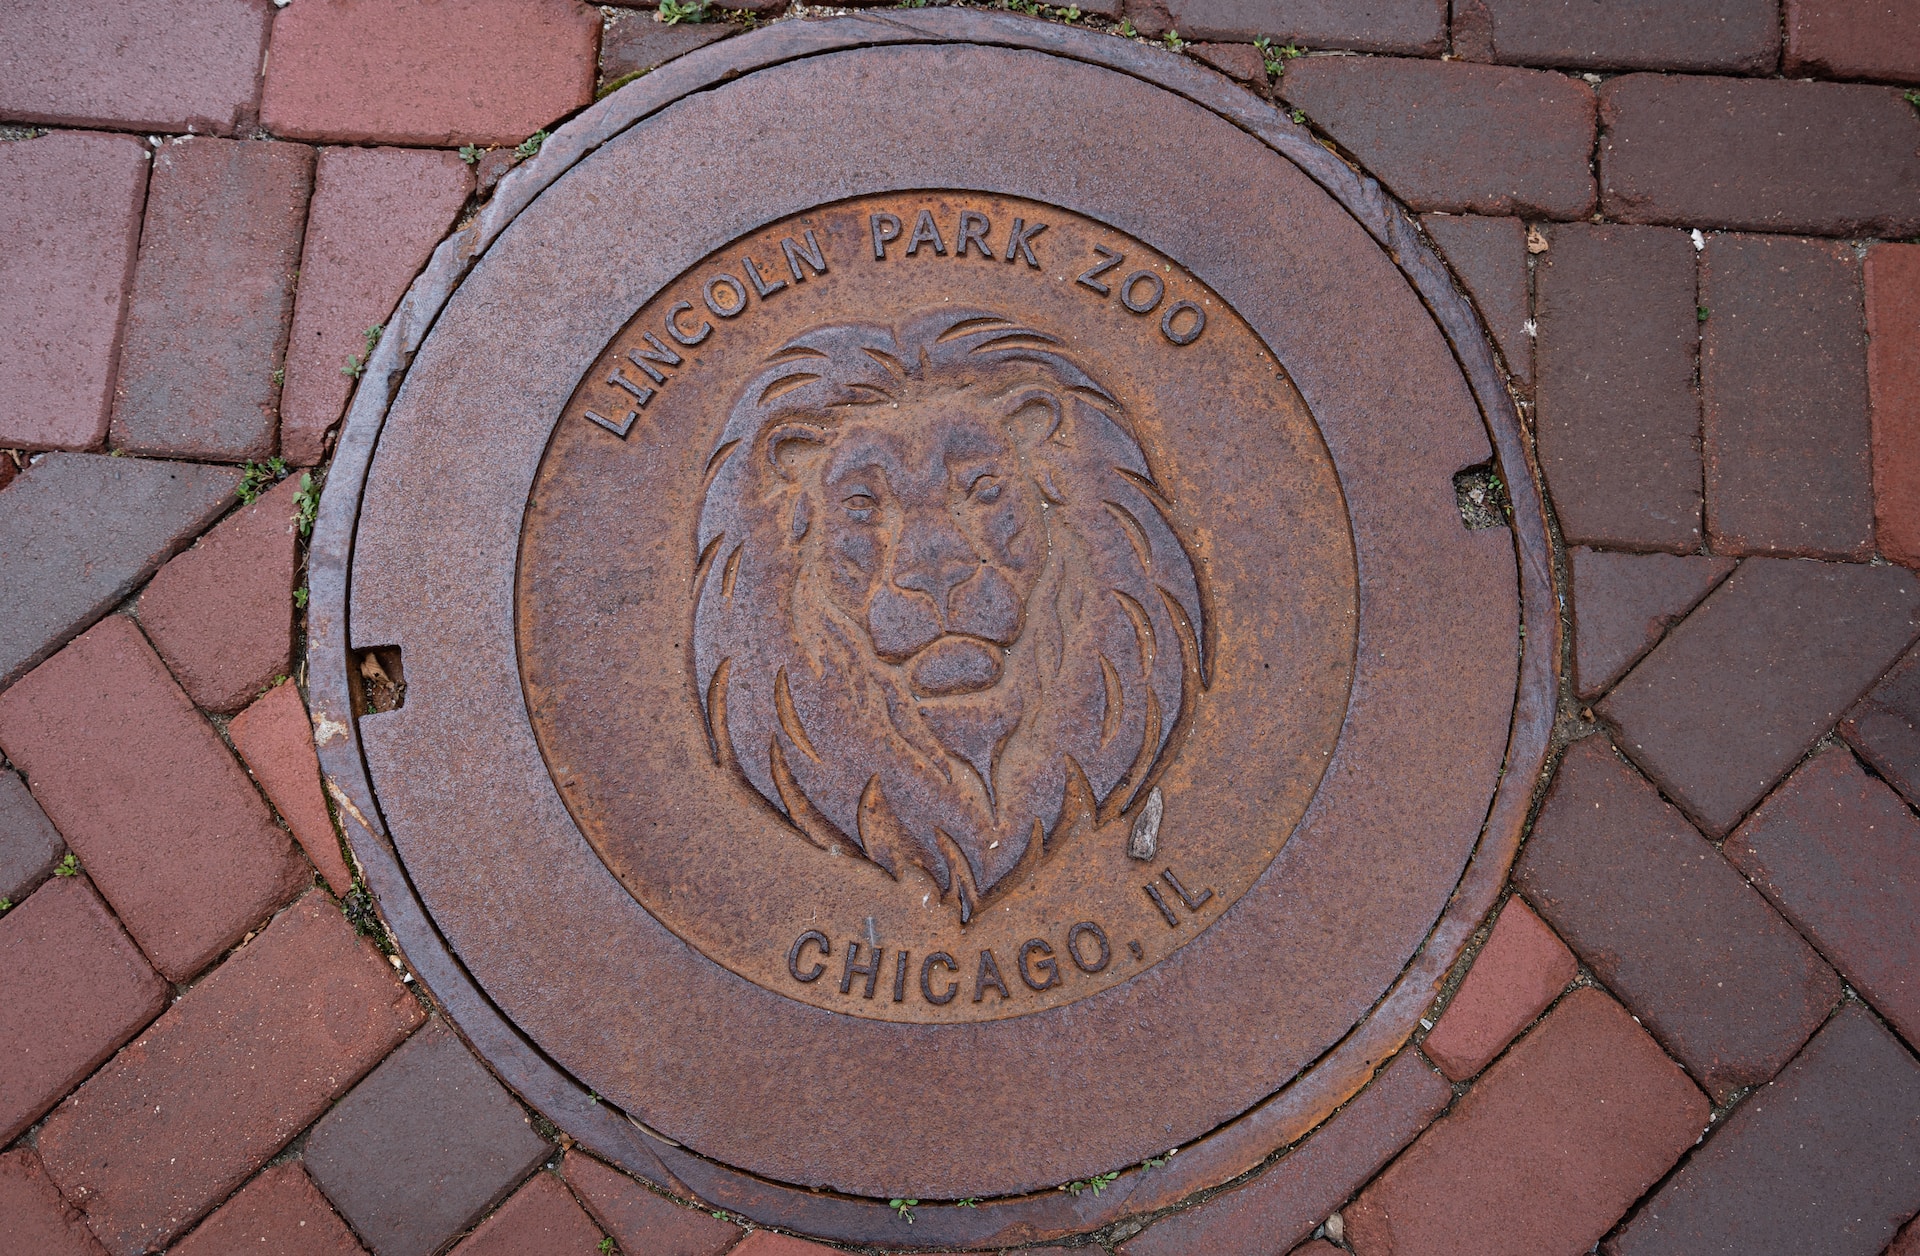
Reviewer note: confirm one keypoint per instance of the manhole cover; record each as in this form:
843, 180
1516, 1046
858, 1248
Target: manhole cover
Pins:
888, 646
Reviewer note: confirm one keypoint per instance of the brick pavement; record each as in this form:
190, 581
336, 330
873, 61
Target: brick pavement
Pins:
1690, 229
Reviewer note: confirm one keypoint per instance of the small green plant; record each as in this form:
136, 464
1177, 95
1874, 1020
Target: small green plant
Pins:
6, 905
970, 1201
300, 596
1153, 1162
306, 504
1069, 14
279, 376
531, 145
471, 153
606, 1245
67, 867
1125, 29
1299, 118
613, 85
257, 477
1096, 1184
1700, 313
1912, 98
904, 1207
1173, 41
1277, 55
675, 11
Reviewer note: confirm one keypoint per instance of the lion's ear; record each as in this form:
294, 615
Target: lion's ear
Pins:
1033, 416
788, 443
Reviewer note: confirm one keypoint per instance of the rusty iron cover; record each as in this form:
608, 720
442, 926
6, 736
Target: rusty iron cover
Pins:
931, 665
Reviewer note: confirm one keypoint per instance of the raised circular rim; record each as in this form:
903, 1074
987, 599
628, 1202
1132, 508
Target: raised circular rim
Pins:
1244, 1141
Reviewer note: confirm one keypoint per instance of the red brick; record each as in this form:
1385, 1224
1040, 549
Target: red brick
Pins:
632, 42
1545, 1153
34, 1220
1870, 39
377, 215
1623, 603
641, 1221
1885, 728
1893, 375
1240, 62
230, 1073
1759, 155
1715, 974
1286, 1202
1415, 27
1721, 710
29, 844
1456, 137
540, 1218
275, 740
457, 72
69, 224
77, 988
211, 298
167, 824
279, 1213
1619, 419
1521, 969
1737, 35
1489, 256
1907, 1242
221, 614
421, 1148
1783, 367
1823, 1162
1316, 1247
81, 530
767, 1243
149, 65
1839, 854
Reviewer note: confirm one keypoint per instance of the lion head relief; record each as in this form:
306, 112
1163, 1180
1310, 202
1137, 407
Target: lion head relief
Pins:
942, 618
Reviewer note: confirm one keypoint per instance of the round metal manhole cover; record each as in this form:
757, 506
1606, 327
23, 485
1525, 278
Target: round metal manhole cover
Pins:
881, 649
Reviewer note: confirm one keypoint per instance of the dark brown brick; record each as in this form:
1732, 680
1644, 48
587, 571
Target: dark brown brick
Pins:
1742, 36
1561, 1135
81, 530
1893, 380
221, 614
1869, 39
641, 1221
212, 295
1885, 727
1296, 1193
77, 988
1618, 418
279, 1213
421, 1148
1712, 971
1622, 603
1517, 974
34, 1220
1721, 710
540, 1217
632, 42
1759, 155
1239, 62
1456, 137
29, 844
231, 1072
1907, 1242
1783, 367
1839, 854
1489, 255
167, 824
1415, 27
1823, 1162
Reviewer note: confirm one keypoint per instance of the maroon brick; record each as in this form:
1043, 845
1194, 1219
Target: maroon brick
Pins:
1521, 969
29, 844
1560, 1136
1823, 1162
767, 1243
279, 1213
1759, 155
1907, 1242
34, 1220
1885, 728
1783, 367
377, 214
1316, 1247
1456, 137
1870, 39
1415, 27
221, 614
69, 223
1839, 854
458, 72
211, 298
1712, 971
1622, 603
1239, 62
632, 42
230, 1073
77, 988
140, 785
540, 1217
275, 741
150, 65
81, 530
1734, 696
421, 1148
1489, 255
1737, 35
641, 1221
1619, 419
1295, 1194
1893, 376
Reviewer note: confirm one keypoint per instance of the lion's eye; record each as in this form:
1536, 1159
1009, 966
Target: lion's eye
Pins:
860, 502
986, 488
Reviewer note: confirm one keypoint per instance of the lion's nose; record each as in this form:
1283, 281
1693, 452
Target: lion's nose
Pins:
933, 562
